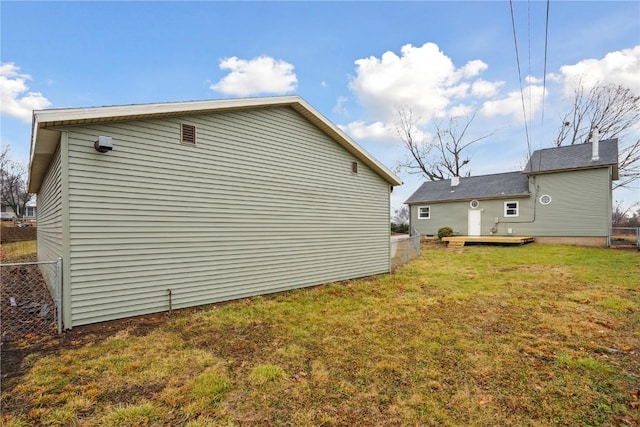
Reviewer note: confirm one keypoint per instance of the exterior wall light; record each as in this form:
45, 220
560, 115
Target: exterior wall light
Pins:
103, 144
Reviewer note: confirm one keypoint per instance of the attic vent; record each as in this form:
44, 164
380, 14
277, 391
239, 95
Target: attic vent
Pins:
188, 134
354, 167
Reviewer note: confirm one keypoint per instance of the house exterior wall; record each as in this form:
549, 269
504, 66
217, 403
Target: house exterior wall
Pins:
49, 234
455, 215
580, 207
264, 202
8, 213
580, 204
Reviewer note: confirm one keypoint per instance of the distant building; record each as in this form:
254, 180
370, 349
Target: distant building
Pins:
7, 212
563, 195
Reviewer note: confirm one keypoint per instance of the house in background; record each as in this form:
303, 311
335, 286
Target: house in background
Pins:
7, 212
191, 203
30, 209
562, 196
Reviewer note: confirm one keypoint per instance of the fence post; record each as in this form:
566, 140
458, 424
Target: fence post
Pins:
59, 293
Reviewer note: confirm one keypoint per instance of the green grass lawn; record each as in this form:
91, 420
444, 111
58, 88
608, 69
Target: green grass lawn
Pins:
536, 335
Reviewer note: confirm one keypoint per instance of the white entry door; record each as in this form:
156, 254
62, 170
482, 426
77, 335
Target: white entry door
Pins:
475, 220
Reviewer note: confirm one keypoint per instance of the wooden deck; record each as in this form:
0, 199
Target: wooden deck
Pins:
459, 241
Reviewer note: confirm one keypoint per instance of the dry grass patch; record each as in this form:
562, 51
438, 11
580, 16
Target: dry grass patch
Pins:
17, 251
534, 335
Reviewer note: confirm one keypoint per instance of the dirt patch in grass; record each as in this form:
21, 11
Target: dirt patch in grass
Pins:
533, 335
12, 366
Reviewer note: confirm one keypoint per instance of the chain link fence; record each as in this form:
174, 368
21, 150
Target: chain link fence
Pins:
29, 304
404, 250
625, 237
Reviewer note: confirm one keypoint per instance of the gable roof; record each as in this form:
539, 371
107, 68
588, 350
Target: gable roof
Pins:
44, 137
515, 184
573, 157
501, 185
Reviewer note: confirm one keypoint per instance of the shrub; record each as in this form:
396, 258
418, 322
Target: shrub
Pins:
445, 232
399, 228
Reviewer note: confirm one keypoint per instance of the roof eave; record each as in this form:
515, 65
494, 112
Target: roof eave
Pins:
468, 199
598, 166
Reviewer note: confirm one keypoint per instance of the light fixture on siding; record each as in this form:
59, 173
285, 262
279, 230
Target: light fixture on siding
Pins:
103, 144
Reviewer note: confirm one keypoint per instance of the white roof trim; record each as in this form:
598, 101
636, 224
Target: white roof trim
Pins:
44, 140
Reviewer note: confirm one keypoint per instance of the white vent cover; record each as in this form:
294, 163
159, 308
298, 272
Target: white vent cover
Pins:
545, 199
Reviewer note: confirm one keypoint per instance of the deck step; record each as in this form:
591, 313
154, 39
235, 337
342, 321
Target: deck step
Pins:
459, 241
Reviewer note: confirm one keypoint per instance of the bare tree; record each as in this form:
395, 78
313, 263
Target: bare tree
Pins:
634, 220
401, 216
614, 110
442, 156
619, 215
628, 164
13, 185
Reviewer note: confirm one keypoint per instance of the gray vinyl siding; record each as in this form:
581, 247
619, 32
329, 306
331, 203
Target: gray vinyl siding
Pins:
49, 217
264, 202
455, 215
580, 207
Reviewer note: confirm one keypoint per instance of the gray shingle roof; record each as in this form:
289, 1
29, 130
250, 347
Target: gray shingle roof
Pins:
516, 184
572, 157
510, 184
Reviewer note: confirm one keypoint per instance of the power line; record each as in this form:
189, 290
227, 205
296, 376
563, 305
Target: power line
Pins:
528, 82
544, 74
524, 113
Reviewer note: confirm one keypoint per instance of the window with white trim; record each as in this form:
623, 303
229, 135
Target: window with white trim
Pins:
510, 209
424, 212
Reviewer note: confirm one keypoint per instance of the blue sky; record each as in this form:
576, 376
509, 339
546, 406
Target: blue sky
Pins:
355, 62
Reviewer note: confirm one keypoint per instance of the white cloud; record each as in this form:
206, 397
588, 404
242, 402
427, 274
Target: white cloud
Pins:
473, 68
532, 80
13, 99
619, 67
484, 89
512, 104
376, 131
422, 78
339, 108
258, 75
461, 110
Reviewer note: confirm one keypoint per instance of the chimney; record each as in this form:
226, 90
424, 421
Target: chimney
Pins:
455, 180
595, 145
